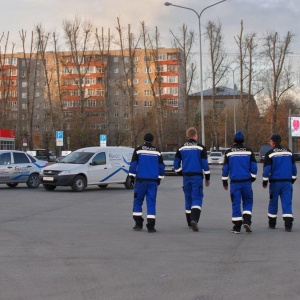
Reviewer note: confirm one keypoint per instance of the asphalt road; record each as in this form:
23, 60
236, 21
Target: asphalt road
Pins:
77, 246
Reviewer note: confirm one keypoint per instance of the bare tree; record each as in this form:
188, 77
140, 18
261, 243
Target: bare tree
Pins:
7, 85
185, 43
78, 36
246, 55
103, 46
276, 50
217, 61
29, 79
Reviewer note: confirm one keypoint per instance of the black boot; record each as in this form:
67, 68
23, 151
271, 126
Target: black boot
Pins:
237, 226
138, 223
272, 222
195, 216
247, 222
188, 219
150, 225
288, 223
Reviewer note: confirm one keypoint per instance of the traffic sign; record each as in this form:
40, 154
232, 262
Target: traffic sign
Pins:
102, 140
59, 134
59, 138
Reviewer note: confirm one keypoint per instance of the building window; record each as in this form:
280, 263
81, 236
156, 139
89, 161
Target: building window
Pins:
24, 95
116, 59
135, 103
172, 79
24, 84
147, 92
148, 70
126, 115
162, 56
172, 102
116, 114
135, 81
148, 103
116, 70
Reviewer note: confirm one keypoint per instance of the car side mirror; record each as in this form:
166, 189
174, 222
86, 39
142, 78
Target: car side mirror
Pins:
93, 163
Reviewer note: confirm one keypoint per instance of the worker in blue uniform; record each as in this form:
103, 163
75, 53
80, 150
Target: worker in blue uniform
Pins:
191, 162
147, 169
281, 171
241, 167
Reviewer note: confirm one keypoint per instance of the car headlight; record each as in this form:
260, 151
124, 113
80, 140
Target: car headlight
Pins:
64, 173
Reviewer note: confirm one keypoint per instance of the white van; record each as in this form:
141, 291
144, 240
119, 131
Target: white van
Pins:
89, 166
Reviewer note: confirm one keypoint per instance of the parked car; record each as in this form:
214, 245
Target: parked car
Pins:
168, 158
296, 156
89, 166
58, 159
20, 167
263, 150
216, 158
257, 156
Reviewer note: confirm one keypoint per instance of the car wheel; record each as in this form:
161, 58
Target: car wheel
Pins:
102, 186
12, 185
128, 183
79, 184
49, 187
33, 181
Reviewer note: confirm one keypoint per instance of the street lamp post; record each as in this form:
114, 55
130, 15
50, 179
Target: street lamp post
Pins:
200, 54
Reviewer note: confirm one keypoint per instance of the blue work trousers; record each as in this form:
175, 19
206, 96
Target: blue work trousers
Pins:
144, 189
241, 195
193, 192
285, 191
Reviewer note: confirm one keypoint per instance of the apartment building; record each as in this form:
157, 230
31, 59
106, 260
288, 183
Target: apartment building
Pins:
119, 94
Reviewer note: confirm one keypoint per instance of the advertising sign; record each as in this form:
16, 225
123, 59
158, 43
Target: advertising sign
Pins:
295, 126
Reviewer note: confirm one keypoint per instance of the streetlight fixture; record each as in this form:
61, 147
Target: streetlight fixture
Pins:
200, 54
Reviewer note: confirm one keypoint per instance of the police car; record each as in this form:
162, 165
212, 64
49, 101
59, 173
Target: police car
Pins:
19, 167
89, 166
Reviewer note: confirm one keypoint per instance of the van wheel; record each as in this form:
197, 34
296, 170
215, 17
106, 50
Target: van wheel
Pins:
33, 181
102, 186
128, 183
49, 187
79, 184
12, 185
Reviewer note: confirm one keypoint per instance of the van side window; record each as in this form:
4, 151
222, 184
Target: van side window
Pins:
100, 159
20, 158
5, 159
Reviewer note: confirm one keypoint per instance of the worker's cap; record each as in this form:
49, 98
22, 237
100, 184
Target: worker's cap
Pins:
239, 137
275, 138
148, 137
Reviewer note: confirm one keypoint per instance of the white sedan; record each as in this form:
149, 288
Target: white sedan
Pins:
215, 158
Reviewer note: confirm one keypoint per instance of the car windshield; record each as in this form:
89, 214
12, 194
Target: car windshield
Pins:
216, 154
168, 156
77, 158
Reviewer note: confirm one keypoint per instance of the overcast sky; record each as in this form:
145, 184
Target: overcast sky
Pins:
259, 16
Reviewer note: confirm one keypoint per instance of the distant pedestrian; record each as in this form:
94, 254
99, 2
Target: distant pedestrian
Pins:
241, 167
147, 168
191, 162
280, 169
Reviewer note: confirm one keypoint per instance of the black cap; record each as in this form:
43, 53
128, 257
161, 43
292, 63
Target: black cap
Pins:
148, 137
275, 138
